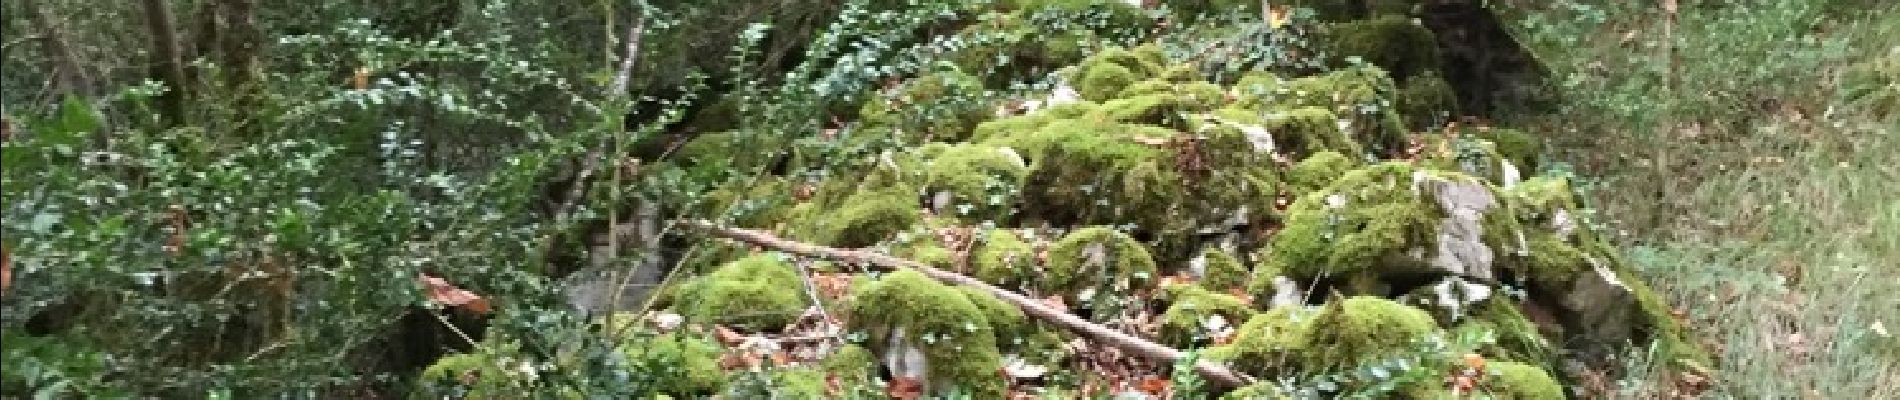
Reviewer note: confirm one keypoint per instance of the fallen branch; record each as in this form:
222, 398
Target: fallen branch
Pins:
1143, 348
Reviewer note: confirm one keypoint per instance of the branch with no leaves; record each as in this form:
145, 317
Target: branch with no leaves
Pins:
1214, 372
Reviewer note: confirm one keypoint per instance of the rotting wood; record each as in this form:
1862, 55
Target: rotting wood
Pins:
1143, 348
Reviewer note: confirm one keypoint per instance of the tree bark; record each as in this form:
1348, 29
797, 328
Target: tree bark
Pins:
168, 65
69, 75
1214, 372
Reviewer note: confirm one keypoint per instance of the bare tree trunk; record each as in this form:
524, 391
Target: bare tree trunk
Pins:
1214, 372
68, 73
239, 41
169, 63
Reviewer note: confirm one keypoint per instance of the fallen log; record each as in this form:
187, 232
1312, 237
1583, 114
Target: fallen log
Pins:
1143, 348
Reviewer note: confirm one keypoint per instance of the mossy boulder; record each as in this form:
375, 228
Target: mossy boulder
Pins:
1343, 334
975, 182
1095, 267
945, 104
1317, 171
1363, 97
1103, 76
1471, 155
1470, 308
1003, 258
1219, 270
1394, 43
1394, 219
1519, 381
1007, 321
865, 218
1427, 101
912, 318
472, 374
1195, 315
695, 360
1078, 171
1600, 300
749, 294
1348, 10
752, 204
1158, 102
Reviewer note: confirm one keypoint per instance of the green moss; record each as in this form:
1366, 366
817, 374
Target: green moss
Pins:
1316, 171
1264, 346
1257, 391
1364, 95
695, 362
1096, 259
454, 371
1190, 308
1223, 271
1078, 167
751, 204
1519, 381
1300, 132
798, 383
946, 103
852, 364
1427, 101
1002, 258
1103, 81
750, 294
1379, 219
1347, 10
1515, 145
1342, 335
953, 333
866, 218
1005, 320
982, 181
1393, 42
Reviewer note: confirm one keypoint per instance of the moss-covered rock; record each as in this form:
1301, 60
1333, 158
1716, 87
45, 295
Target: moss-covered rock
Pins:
1348, 10
1427, 101
1364, 97
945, 104
908, 311
1521, 148
1317, 171
473, 374
1519, 381
1600, 301
1257, 391
1343, 334
1392, 218
1195, 315
975, 182
1079, 167
1393, 42
1219, 270
1096, 265
695, 359
1005, 319
865, 218
1002, 258
749, 294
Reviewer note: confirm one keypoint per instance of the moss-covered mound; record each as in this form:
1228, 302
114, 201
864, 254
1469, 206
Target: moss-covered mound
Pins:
910, 317
751, 294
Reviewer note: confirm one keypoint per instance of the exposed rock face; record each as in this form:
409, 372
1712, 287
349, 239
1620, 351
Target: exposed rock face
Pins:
1601, 304
1461, 247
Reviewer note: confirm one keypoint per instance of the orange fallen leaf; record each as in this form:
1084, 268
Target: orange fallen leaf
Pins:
727, 336
6, 268
442, 292
1153, 385
905, 388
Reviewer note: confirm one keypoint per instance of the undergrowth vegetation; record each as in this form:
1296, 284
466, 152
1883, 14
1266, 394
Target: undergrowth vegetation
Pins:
1745, 151
491, 199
